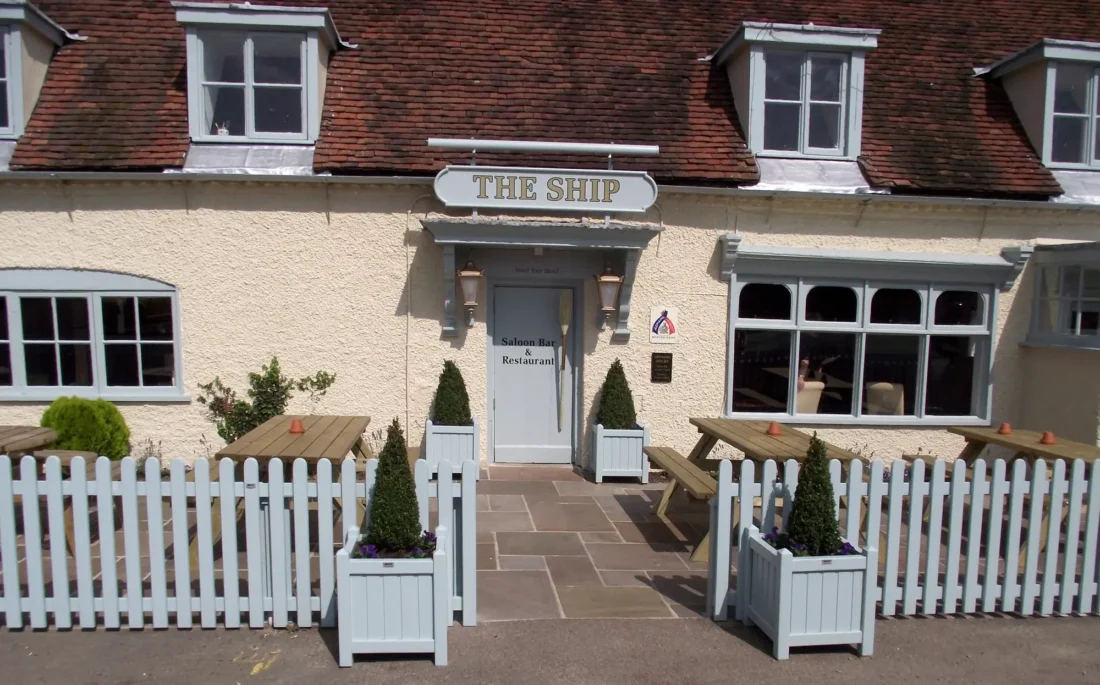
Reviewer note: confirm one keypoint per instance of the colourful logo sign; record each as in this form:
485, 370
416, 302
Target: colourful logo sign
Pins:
663, 327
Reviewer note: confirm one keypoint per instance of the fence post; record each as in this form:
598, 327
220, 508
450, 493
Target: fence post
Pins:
82, 541
747, 491
445, 508
891, 593
721, 519
227, 500
465, 533
13, 611
325, 544
1088, 564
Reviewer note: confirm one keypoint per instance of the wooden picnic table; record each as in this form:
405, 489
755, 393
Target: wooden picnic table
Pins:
324, 437
16, 441
749, 436
1024, 443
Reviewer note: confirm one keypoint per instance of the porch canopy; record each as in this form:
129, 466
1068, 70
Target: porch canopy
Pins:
622, 242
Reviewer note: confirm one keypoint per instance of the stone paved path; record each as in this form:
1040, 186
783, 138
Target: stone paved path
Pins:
552, 545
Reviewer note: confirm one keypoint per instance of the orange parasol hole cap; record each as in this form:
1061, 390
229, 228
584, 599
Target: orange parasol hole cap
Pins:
1047, 439
1005, 429
775, 428
296, 427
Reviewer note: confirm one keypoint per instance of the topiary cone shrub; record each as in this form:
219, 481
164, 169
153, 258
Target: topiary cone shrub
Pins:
88, 426
394, 527
451, 404
616, 402
813, 522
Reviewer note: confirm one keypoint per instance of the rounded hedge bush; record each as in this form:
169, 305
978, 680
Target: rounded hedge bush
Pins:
88, 426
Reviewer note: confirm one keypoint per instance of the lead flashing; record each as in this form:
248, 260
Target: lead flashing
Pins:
259, 16
794, 35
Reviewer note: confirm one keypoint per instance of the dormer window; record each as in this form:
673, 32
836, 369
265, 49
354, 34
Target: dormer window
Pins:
798, 88
28, 39
1054, 86
1074, 115
256, 73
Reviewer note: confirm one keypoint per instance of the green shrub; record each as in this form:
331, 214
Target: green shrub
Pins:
269, 392
451, 404
813, 522
616, 403
394, 516
88, 426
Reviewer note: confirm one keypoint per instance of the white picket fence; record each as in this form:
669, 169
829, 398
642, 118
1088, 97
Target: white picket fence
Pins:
131, 578
1019, 540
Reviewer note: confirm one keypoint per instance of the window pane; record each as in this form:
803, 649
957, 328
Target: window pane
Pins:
118, 318
1071, 281
959, 308
277, 58
897, 306
825, 126
278, 110
1090, 317
122, 364
76, 364
891, 364
5, 364
1091, 286
72, 319
781, 126
155, 318
764, 301
831, 303
1071, 87
825, 78
4, 319
41, 364
1048, 317
951, 375
825, 366
223, 57
1068, 141
1048, 281
4, 121
761, 367
224, 111
783, 75
158, 366
37, 318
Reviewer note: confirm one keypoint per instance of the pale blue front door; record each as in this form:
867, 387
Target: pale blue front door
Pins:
533, 408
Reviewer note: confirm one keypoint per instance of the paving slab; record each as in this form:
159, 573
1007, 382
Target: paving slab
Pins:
539, 543
486, 557
601, 537
656, 533
612, 602
633, 557
626, 578
497, 521
572, 571
552, 516
515, 595
521, 563
534, 473
506, 503
508, 487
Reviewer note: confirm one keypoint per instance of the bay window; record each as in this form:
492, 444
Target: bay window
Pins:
85, 333
1066, 310
842, 337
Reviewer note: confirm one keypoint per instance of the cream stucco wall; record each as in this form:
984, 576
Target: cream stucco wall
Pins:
342, 277
1062, 392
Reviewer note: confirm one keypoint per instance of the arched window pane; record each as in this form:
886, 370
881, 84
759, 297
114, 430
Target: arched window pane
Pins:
831, 303
959, 308
896, 306
764, 301
761, 370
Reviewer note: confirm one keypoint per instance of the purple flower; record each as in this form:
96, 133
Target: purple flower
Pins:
371, 552
429, 537
416, 552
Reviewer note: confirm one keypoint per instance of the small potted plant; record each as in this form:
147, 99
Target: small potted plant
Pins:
618, 439
807, 586
393, 583
451, 433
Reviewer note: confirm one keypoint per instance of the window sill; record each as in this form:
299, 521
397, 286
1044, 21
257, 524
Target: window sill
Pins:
231, 141
50, 395
863, 421
788, 154
1068, 344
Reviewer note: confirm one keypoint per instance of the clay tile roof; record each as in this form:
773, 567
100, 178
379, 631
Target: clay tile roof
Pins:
594, 71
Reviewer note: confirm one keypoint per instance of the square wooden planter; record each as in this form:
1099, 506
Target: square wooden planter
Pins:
619, 453
454, 444
806, 601
393, 606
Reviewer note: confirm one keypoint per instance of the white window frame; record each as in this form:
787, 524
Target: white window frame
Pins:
197, 86
1092, 161
867, 272
805, 101
12, 79
1054, 261
93, 286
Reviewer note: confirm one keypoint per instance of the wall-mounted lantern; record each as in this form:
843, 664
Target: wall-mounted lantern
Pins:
469, 278
608, 285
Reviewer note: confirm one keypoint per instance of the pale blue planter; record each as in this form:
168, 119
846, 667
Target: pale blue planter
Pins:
809, 601
453, 444
620, 453
393, 606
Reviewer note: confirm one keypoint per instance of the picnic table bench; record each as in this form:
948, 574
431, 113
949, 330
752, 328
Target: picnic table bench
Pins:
751, 437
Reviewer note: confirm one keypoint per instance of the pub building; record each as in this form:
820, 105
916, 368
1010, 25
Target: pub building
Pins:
873, 219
